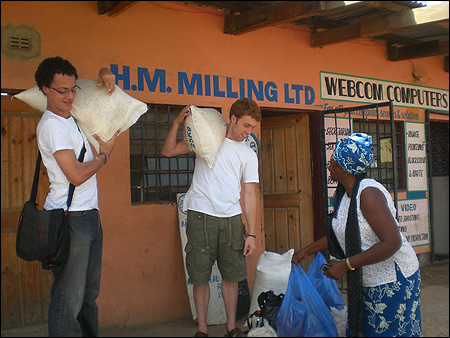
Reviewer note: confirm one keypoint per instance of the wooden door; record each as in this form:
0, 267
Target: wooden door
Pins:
286, 179
25, 286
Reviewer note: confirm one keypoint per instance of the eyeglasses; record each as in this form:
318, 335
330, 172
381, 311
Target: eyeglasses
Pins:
74, 90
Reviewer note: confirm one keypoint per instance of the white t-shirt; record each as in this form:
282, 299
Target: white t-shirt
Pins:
382, 272
57, 133
216, 191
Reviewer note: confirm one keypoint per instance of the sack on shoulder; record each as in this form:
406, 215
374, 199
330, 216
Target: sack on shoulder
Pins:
43, 235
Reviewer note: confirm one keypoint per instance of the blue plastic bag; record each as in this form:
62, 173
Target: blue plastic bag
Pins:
303, 312
326, 287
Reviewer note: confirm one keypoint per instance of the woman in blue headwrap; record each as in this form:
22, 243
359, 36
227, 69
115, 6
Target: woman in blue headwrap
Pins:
383, 276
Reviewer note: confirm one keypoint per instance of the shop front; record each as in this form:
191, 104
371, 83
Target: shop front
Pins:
170, 54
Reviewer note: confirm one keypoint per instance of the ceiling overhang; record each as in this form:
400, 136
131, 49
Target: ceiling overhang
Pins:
409, 29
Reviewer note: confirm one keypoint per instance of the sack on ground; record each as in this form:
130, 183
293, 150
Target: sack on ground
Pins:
43, 235
263, 331
95, 110
303, 312
272, 273
204, 132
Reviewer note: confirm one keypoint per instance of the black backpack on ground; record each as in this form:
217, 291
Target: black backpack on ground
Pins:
269, 304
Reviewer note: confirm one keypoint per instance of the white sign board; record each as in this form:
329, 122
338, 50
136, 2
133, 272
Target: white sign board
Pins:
342, 87
416, 156
413, 221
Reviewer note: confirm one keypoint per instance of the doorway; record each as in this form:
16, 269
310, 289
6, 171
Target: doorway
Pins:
286, 182
438, 135
25, 285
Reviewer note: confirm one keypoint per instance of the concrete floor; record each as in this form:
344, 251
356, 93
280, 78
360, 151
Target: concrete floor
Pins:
435, 314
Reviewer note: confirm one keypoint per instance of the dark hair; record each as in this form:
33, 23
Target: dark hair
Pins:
49, 67
245, 107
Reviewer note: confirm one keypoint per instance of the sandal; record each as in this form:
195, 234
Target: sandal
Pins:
200, 334
236, 332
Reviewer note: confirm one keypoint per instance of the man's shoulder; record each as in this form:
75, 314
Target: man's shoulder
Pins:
48, 118
51, 124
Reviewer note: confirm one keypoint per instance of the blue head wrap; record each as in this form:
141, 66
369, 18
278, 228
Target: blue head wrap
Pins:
354, 154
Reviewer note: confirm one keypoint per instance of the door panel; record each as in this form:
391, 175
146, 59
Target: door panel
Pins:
286, 171
25, 285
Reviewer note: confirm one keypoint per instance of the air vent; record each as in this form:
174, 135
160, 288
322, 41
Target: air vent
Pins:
19, 42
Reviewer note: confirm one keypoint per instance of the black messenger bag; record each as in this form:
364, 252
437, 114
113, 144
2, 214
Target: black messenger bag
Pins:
43, 235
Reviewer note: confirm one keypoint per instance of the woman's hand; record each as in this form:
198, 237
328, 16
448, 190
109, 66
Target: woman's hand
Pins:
298, 256
337, 269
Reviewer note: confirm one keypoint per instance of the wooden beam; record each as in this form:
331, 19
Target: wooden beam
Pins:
420, 50
113, 8
382, 25
336, 35
387, 5
276, 12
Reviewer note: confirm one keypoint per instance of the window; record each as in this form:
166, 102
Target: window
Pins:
439, 148
154, 177
383, 170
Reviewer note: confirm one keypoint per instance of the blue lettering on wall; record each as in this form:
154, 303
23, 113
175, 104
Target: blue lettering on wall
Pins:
124, 77
159, 76
310, 96
270, 90
299, 92
230, 92
183, 82
287, 98
211, 85
259, 93
217, 91
297, 89
241, 88
207, 85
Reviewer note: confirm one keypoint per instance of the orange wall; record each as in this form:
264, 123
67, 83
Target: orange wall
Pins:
143, 277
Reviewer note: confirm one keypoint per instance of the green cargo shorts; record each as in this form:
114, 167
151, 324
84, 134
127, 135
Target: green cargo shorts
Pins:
212, 238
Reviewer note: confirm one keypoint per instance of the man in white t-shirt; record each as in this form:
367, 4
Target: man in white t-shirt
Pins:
214, 226
72, 310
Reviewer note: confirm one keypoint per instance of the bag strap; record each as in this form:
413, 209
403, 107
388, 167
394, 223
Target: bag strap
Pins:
80, 159
36, 178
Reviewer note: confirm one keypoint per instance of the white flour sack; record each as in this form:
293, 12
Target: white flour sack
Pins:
272, 273
95, 110
204, 132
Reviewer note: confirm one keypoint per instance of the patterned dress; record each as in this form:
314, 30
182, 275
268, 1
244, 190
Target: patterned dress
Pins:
391, 287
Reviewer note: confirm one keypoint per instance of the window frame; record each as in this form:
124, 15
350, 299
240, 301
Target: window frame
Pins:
155, 178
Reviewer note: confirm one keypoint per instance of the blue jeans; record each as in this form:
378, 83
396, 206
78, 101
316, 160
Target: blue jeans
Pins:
73, 311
